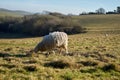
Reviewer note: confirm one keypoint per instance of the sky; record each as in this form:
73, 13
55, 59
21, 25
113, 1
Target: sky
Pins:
62, 6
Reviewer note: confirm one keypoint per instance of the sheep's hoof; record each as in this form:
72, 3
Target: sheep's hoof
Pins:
67, 54
46, 54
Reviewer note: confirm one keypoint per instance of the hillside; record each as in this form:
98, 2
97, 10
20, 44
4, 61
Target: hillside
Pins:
33, 24
100, 23
13, 13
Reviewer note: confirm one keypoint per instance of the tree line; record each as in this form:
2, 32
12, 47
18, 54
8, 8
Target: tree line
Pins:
39, 25
102, 11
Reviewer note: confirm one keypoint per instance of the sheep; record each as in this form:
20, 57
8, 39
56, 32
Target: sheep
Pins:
53, 41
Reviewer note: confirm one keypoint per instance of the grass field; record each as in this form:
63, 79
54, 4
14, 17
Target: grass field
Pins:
100, 23
3, 14
92, 56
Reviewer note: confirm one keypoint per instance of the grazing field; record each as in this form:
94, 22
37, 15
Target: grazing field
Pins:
100, 23
92, 56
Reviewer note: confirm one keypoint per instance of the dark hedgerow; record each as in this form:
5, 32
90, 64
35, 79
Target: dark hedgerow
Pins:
39, 25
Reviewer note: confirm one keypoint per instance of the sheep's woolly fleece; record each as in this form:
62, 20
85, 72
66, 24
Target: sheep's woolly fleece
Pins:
52, 41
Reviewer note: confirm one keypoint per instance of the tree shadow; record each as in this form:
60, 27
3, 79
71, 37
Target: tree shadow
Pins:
13, 36
20, 55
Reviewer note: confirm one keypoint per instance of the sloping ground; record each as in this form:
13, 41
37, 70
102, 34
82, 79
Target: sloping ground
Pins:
100, 23
13, 13
3, 14
91, 56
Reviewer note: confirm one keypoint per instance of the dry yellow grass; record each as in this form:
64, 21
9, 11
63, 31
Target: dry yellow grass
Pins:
91, 56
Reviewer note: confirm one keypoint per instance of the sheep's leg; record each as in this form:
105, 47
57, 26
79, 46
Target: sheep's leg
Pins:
60, 51
53, 52
66, 49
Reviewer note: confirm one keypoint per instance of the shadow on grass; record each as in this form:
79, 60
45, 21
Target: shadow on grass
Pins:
13, 36
61, 64
12, 55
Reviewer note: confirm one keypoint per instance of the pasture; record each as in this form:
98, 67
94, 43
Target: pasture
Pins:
94, 55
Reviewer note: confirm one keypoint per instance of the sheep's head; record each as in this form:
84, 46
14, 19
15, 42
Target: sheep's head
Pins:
40, 47
29, 53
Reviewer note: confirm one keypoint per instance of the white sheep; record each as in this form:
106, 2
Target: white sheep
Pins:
53, 41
